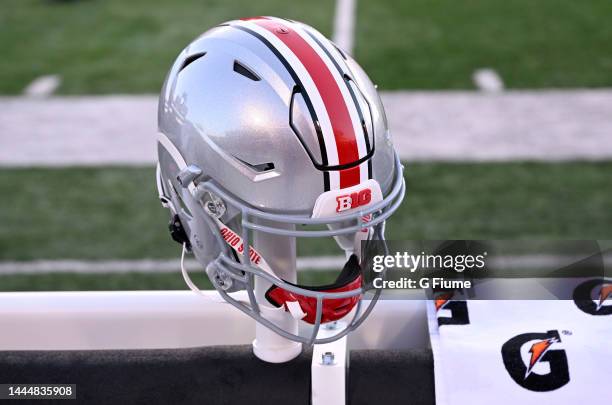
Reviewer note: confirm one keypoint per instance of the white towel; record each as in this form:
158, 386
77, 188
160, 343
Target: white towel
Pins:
523, 352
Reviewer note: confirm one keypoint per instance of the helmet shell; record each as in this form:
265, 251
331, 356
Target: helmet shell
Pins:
229, 105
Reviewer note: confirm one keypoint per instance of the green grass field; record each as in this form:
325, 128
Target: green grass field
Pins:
532, 44
113, 213
103, 213
114, 46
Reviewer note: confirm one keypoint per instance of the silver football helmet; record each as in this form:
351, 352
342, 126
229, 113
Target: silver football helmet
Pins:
265, 126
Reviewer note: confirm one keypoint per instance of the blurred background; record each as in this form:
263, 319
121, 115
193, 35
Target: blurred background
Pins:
501, 111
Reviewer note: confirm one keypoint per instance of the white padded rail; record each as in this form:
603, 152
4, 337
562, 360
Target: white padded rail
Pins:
169, 319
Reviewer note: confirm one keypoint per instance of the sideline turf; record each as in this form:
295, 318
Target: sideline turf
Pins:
115, 46
423, 44
113, 213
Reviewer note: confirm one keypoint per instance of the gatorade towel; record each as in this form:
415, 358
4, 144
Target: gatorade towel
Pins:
523, 352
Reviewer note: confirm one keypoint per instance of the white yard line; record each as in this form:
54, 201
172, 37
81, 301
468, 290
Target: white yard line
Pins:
463, 126
553, 125
91, 266
488, 80
344, 24
43, 86
140, 266
320, 263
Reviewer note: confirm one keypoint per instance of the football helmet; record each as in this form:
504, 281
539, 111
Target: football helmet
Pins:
265, 126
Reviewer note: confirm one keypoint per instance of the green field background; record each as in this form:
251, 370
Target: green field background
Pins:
113, 213
114, 46
102, 213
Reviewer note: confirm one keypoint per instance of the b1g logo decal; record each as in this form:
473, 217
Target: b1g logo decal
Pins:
458, 311
353, 200
536, 362
594, 297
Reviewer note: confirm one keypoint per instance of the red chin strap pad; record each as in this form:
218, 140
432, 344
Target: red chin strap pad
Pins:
333, 309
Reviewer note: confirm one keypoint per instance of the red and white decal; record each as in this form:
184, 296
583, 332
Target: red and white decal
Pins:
337, 202
234, 240
353, 200
343, 135
366, 218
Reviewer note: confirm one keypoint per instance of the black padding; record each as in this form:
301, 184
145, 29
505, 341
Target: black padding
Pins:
349, 273
210, 375
391, 377
217, 375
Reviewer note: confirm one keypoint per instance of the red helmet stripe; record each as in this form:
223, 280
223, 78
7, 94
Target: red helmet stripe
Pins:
328, 88
350, 177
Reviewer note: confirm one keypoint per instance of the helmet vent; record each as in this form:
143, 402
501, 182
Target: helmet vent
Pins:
190, 59
259, 167
244, 71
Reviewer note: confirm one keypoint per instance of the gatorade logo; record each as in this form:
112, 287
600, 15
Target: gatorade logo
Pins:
457, 311
594, 297
536, 362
